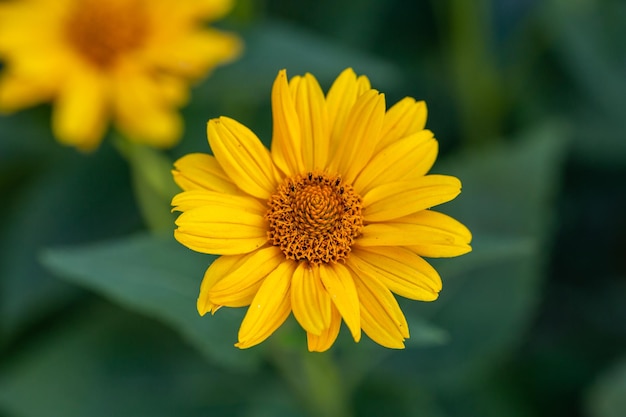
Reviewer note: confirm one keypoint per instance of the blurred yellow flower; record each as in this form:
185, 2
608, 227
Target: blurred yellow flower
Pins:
129, 61
329, 223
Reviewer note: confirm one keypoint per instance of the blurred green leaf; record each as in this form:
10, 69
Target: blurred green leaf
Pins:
490, 294
588, 39
424, 333
160, 278
26, 133
508, 190
102, 361
55, 196
607, 396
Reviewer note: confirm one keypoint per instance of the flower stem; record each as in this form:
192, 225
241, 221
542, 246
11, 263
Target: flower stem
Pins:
476, 77
152, 183
316, 380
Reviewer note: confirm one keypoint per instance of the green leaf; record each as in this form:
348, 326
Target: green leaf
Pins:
102, 361
56, 196
490, 294
607, 396
158, 277
589, 37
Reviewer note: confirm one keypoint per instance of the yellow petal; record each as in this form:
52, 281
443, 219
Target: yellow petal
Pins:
216, 271
404, 118
241, 280
17, 20
309, 300
199, 171
286, 141
398, 199
360, 136
192, 53
407, 158
189, 200
243, 157
340, 100
143, 113
323, 341
444, 236
311, 109
269, 308
212, 9
201, 9
224, 229
181, 43
81, 111
381, 317
399, 269
428, 233
19, 92
339, 283
173, 89
362, 85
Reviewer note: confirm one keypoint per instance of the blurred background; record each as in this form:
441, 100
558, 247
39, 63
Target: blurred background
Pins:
527, 99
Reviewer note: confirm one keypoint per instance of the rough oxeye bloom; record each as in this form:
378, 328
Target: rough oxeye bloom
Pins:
329, 223
129, 61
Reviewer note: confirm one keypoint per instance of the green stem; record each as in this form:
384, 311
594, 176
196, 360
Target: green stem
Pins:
152, 183
315, 379
477, 79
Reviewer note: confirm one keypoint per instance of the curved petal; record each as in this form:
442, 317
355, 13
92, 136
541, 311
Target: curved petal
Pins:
243, 157
428, 233
382, 319
360, 136
404, 118
216, 271
224, 229
339, 283
199, 171
410, 157
399, 269
269, 308
240, 280
189, 200
81, 110
444, 236
340, 99
310, 106
309, 300
398, 199
323, 341
286, 140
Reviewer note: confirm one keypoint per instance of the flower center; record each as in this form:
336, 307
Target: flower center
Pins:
314, 218
102, 30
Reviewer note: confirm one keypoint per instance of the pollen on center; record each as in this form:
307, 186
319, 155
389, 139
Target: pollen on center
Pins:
314, 217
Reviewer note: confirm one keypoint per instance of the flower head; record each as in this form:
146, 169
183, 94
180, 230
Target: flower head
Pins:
128, 61
330, 223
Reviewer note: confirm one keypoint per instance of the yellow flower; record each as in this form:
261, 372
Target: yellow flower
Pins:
129, 61
329, 223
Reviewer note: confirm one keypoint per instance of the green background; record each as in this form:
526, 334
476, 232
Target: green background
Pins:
527, 99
